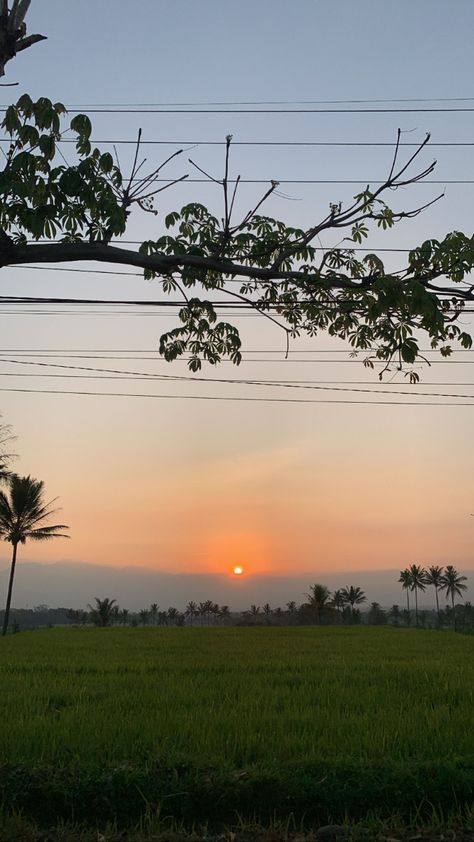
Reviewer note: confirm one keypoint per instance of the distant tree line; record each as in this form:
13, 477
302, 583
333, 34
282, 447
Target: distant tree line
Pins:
322, 607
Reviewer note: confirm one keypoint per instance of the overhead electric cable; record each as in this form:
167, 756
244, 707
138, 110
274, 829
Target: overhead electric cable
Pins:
233, 398
267, 102
220, 110
310, 143
233, 381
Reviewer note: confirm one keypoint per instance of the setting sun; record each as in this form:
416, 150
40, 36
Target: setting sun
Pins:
238, 571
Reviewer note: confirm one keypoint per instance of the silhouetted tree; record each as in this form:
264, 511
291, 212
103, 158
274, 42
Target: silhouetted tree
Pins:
173, 615
224, 613
102, 612
453, 584
338, 600
318, 599
434, 577
191, 611
154, 612
418, 583
353, 596
406, 582
376, 616
23, 512
394, 615
267, 612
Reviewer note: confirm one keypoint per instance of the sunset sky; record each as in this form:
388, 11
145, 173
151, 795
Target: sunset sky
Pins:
177, 483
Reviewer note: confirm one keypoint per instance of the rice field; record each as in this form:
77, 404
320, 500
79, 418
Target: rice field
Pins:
321, 722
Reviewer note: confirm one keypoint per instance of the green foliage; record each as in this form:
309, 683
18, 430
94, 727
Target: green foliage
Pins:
281, 273
42, 197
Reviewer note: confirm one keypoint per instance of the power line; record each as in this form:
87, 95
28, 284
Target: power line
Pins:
273, 383
283, 361
266, 102
354, 181
232, 381
430, 110
233, 399
296, 143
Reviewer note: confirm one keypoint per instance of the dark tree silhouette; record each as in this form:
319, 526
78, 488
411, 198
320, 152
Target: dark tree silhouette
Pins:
191, 611
102, 614
353, 596
453, 584
406, 582
434, 577
318, 599
23, 516
418, 583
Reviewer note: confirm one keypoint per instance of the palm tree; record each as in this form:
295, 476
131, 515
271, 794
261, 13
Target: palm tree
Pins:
338, 600
154, 612
191, 610
353, 596
173, 615
23, 513
434, 576
453, 584
318, 597
144, 615
406, 582
418, 583
103, 612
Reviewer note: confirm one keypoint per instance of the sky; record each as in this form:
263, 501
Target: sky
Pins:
181, 486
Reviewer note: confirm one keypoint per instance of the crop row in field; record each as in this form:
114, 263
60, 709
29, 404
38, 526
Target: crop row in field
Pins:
208, 723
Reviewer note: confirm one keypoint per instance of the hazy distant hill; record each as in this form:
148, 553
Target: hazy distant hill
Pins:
76, 584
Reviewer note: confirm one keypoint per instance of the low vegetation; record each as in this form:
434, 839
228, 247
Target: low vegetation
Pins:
208, 727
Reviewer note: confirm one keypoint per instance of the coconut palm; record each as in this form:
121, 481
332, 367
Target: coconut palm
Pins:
145, 616
434, 576
338, 600
418, 583
154, 612
23, 513
103, 612
453, 584
191, 610
406, 582
318, 598
353, 596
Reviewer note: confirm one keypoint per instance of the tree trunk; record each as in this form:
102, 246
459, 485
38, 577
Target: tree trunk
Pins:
10, 589
454, 610
416, 607
437, 606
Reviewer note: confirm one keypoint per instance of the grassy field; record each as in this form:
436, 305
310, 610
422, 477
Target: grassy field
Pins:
213, 725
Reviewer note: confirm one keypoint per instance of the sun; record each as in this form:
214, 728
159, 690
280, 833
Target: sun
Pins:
238, 571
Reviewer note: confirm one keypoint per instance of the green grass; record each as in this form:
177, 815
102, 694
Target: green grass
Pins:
206, 725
